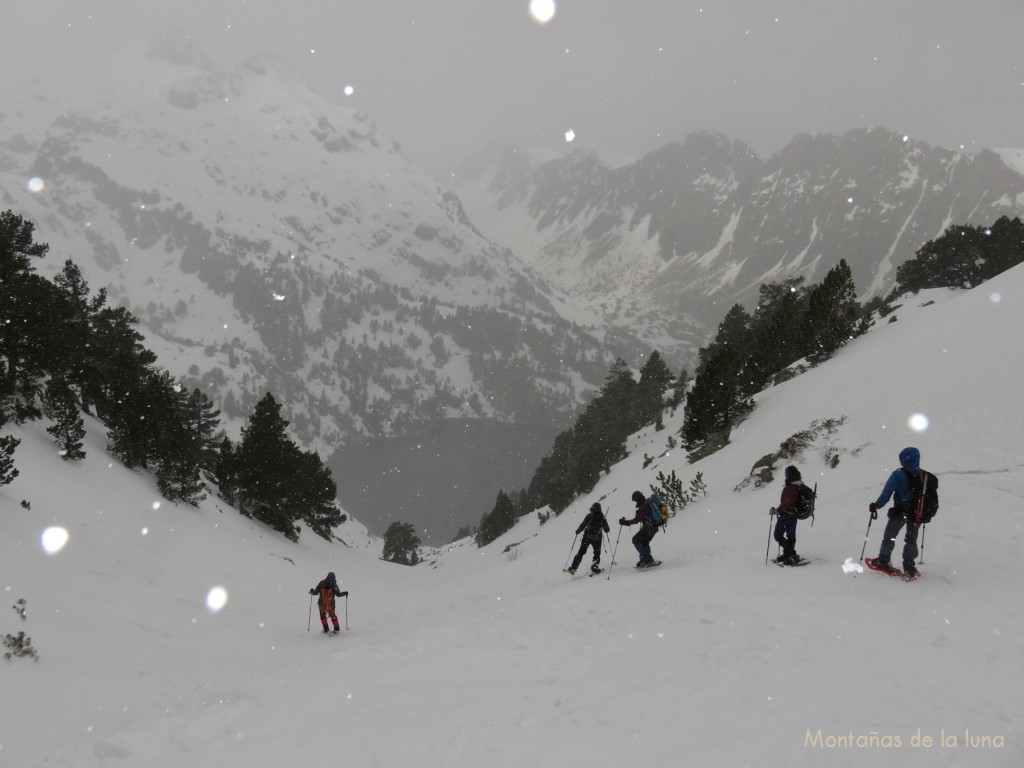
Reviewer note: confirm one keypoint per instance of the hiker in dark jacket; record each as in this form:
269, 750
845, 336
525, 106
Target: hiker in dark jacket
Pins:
642, 538
785, 526
902, 512
328, 590
593, 528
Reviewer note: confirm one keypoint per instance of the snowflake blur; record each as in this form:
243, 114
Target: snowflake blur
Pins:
54, 539
851, 567
570, 135
216, 599
918, 422
542, 10
35, 184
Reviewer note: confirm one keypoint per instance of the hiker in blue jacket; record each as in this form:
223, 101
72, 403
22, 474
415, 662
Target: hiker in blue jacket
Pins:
901, 513
642, 538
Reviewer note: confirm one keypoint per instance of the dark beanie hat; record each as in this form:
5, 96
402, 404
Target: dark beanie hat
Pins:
638, 497
792, 473
595, 507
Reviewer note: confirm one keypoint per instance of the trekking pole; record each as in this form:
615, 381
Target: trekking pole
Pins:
922, 545
309, 621
346, 609
616, 549
571, 548
769, 547
866, 534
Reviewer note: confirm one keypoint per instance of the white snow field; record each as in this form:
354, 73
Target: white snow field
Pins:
487, 658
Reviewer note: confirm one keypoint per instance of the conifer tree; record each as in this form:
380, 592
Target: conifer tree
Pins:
655, 380
401, 544
68, 428
202, 421
264, 462
498, 521
715, 403
313, 495
224, 469
831, 313
73, 353
7, 445
18, 294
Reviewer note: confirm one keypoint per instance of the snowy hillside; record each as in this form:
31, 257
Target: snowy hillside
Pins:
496, 658
268, 238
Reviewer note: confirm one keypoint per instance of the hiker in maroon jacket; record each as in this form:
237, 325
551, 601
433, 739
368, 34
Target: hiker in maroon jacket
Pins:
328, 590
785, 527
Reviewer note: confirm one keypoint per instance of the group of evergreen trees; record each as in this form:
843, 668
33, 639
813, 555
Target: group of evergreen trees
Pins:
595, 442
790, 322
64, 353
963, 257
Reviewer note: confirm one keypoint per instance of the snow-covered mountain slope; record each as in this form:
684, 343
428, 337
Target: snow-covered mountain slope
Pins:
667, 244
270, 239
495, 657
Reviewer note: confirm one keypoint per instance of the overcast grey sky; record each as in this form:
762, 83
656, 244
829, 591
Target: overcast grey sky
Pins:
445, 77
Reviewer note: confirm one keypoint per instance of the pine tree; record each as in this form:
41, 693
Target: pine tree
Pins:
498, 521
264, 465
655, 380
679, 389
831, 313
775, 337
73, 344
202, 421
7, 445
715, 403
17, 295
67, 429
119, 361
225, 471
313, 495
401, 544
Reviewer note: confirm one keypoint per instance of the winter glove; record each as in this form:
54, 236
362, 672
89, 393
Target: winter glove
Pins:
345, 593
312, 591
773, 511
874, 510
623, 521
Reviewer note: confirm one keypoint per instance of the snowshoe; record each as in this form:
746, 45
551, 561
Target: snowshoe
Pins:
882, 567
644, 564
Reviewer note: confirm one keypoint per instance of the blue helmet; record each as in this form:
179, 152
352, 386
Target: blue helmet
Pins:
911, 459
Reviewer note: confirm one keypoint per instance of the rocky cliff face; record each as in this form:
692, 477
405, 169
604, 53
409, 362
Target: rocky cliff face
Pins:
666, 245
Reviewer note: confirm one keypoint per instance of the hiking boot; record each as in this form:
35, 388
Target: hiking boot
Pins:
884, 565
337, 630
911, 572
326, 630
595, 568
571, 571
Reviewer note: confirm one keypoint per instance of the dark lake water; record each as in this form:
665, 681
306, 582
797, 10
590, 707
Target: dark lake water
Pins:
440, 480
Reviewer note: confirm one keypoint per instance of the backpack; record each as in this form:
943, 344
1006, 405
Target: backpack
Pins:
595, 527
805, 506
658, 510
926, 507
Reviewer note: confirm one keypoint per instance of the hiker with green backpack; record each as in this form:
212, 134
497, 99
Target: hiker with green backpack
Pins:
649, 520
